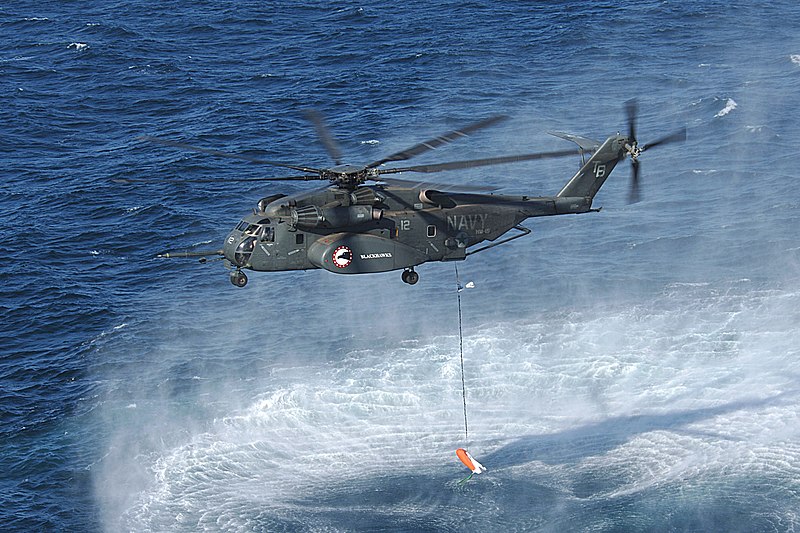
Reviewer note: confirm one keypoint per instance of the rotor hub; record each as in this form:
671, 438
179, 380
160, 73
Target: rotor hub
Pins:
634, 150
346, 176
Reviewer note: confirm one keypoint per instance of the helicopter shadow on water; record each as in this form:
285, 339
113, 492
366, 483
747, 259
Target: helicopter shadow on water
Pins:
571, 446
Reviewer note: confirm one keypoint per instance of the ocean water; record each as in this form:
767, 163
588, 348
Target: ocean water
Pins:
628, 370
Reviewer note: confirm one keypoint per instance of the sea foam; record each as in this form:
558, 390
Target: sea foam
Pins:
730, 105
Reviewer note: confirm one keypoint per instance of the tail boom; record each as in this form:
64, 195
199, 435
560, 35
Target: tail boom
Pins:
593, 174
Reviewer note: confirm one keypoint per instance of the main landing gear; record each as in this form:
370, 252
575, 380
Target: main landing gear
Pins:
409, 276
238, 278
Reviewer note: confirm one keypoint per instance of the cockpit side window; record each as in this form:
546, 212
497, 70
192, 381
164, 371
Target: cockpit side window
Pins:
268, 235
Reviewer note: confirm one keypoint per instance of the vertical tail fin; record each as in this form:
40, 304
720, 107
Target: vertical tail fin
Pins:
595, 171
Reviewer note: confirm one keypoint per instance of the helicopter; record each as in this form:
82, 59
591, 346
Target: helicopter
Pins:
363, 222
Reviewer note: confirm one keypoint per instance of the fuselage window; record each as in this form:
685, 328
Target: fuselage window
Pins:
432, 231
299, 238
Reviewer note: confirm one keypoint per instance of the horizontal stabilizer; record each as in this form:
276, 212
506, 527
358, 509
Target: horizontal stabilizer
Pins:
590, 145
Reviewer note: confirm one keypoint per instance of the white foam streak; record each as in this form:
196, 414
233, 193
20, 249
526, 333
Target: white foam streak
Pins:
730, 105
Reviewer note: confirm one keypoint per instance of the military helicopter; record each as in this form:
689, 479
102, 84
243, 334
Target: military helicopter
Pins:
362, 222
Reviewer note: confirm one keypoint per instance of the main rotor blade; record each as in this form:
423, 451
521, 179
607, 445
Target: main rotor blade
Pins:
432, 144
324, 134
678, 136
219, 180
228, 155
282, 178
632, 110
443, 187
456, 165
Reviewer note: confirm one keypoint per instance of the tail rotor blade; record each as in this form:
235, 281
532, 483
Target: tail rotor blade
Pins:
678, 136
634, 195
632, 110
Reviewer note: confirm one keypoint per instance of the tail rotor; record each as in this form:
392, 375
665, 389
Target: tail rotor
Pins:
634, 150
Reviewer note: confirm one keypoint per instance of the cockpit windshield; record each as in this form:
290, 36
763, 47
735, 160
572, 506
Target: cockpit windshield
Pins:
262, 231
254, 230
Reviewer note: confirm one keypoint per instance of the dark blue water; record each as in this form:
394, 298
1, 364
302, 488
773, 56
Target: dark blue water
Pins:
628, 370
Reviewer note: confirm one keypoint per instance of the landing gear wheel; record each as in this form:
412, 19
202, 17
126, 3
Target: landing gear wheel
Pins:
238, 278
410, 277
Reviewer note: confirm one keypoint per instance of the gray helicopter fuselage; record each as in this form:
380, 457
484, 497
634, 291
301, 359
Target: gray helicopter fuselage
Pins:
379, 228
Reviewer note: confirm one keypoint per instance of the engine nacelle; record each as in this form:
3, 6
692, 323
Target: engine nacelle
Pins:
437, 198
311, 216
365, 196
261, 207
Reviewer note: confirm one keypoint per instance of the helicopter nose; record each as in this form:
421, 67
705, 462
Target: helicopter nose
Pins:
229, 249
238, 248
